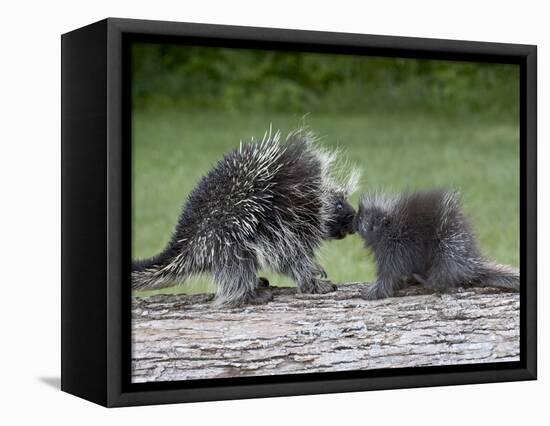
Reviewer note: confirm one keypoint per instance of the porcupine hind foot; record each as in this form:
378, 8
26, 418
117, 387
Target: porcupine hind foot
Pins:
319, 271
258, 296
263, 282
317, 286
261, 296
324, 286
238, 285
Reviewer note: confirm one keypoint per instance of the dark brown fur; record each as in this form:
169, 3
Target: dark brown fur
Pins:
424, 236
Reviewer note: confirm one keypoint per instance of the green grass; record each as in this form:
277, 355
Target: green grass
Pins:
173, 150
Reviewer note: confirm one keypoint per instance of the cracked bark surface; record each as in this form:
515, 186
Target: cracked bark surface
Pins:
181, 337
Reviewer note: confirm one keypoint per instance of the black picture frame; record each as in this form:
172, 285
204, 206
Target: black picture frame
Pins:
96, 206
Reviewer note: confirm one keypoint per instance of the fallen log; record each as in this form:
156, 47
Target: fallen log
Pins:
180, 337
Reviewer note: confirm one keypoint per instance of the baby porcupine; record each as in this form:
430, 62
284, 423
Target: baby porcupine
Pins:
424, 237
268, 204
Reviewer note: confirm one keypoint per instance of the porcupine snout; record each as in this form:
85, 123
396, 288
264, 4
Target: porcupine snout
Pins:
343, 222
349, 223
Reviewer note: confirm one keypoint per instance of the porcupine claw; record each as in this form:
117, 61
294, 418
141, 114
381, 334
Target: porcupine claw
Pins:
324, 286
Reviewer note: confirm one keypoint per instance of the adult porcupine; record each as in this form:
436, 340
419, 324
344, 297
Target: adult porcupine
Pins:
424, 236
267, 204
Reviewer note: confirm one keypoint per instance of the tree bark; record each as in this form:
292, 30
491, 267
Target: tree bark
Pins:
180, 337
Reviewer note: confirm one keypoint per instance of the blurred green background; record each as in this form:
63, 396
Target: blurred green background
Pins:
407, 123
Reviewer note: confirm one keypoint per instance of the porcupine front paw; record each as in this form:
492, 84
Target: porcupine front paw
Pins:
372, 292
